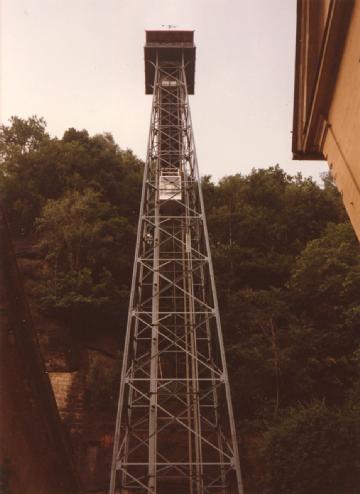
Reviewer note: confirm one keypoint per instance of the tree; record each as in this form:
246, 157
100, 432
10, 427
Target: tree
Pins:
20, 137
36, 168
314, 450
84, 242
329, 270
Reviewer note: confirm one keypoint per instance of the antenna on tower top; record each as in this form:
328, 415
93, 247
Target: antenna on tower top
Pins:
169, 26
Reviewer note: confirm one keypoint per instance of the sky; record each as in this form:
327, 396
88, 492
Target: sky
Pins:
80, 63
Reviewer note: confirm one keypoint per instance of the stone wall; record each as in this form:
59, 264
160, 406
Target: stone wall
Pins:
90, 429
69, 389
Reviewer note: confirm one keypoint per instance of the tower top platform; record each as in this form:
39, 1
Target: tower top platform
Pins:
169, 45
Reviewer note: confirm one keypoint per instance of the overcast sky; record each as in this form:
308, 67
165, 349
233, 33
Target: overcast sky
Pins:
79, 63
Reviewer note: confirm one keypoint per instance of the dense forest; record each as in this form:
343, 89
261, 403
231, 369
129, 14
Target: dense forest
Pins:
287, 268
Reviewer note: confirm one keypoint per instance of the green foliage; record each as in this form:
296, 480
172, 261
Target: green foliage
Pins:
314, 450
37, 168
79, 197
324, 290
84, 241
21, 137
258, 322
329, 268
280, 246
287, 268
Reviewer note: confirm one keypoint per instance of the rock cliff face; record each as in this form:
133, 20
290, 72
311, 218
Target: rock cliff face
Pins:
36, 456
63, 441
76, 365
69, 364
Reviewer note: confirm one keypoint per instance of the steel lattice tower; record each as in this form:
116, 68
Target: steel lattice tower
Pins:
175, 431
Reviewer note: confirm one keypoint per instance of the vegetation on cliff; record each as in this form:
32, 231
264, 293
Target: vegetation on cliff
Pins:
287, 266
